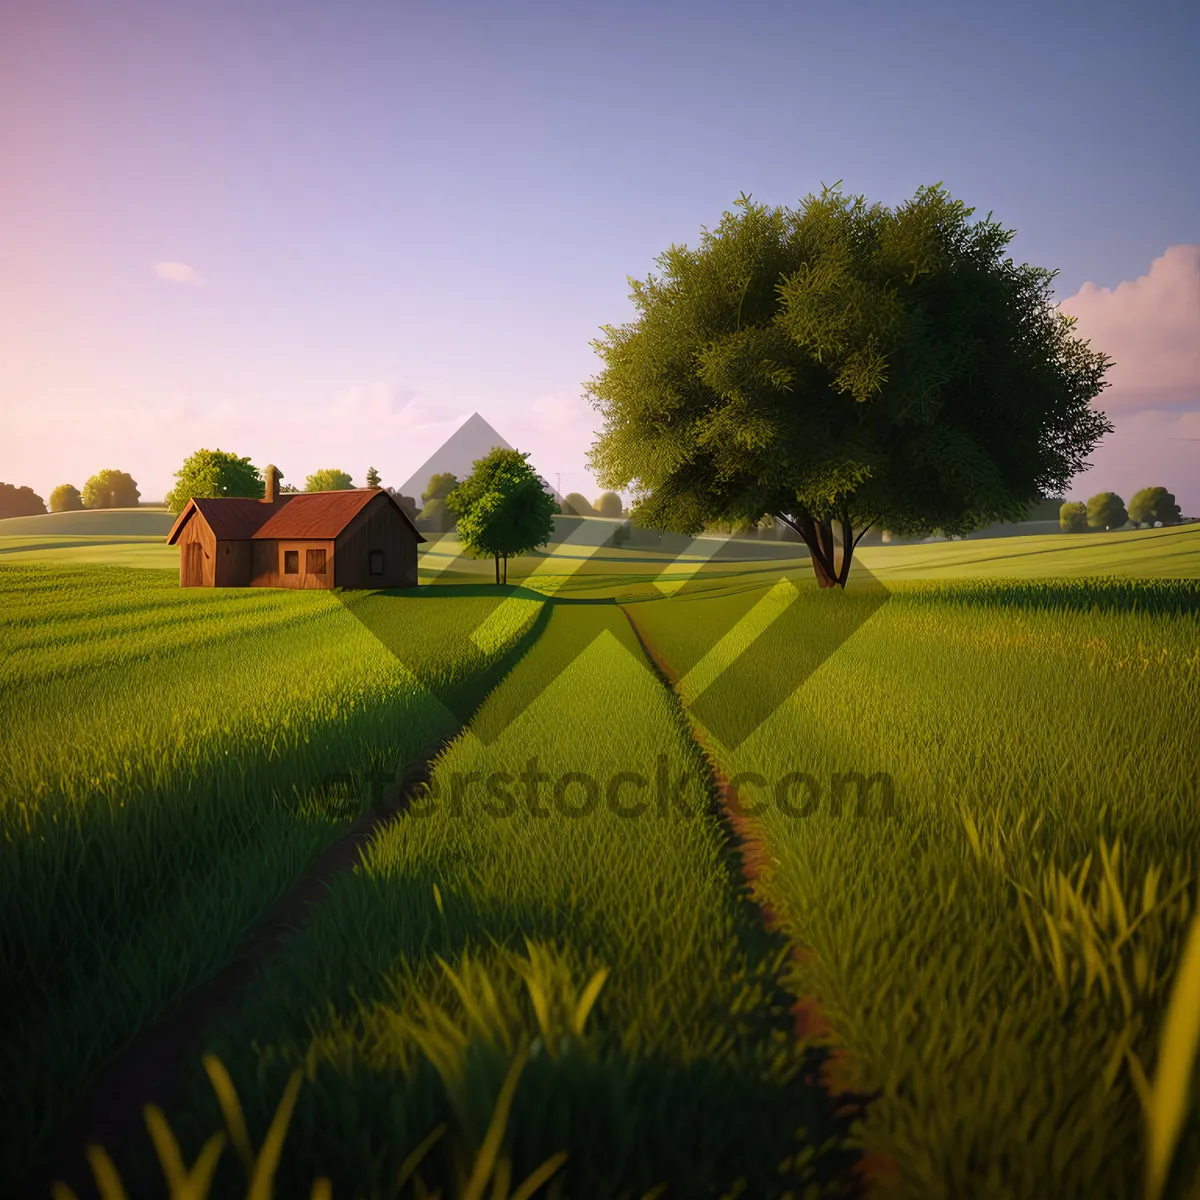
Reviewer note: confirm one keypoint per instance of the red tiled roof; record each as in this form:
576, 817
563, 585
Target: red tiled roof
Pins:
231, 518
294, 515
317, 514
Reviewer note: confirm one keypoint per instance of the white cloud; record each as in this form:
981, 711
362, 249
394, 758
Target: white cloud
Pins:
177, 272
1150, 327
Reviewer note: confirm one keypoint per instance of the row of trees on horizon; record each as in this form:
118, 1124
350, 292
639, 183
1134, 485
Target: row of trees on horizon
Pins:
106, 489
851, 367
217, 473
1107, 511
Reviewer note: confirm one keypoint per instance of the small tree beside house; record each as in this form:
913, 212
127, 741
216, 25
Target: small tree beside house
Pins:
213, 474
503, 509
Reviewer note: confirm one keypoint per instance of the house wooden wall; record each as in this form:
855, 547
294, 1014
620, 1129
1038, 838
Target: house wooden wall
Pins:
267, 564
197, 553
232, 563
378, 527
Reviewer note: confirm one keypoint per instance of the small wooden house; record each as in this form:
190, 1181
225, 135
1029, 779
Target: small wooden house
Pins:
358, 538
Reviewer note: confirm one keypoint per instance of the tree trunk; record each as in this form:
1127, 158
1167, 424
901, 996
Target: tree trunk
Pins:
818, 537
506, 569
497, 558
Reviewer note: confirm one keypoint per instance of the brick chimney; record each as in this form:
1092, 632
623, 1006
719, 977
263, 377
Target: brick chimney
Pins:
271, 477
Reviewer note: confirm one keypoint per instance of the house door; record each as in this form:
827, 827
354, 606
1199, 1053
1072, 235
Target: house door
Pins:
193, 565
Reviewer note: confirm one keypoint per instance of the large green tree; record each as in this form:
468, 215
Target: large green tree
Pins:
503, 509
20, 501
65, 498
210, 473
845, 363
110, 489
328, 479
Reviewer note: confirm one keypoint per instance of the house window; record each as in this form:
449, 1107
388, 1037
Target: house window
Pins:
314, 562
376, 562
291, 562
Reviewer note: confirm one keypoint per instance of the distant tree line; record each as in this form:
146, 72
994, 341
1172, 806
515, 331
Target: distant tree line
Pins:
105, 489
214, 473
1107, 511
575, 504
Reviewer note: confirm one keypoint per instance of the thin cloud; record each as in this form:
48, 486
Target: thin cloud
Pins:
177, 272
1150, 327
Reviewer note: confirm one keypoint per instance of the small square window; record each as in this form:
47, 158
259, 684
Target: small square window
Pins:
314, 562
291, 562
376, 562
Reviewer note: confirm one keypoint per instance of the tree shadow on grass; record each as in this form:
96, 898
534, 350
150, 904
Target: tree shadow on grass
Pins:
696, 1117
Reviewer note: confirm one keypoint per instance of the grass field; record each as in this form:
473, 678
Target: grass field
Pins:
990, 935
423, 975
990, 938
121, 522
160, 786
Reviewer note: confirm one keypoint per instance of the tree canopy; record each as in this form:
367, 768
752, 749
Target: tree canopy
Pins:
439, 486
503, 509
608, 505
111, 489
210, 473
328, 479
1106, 510
845, 362
65, 498
1153, 504
575, 504
373, 477
20, 501
1072, 517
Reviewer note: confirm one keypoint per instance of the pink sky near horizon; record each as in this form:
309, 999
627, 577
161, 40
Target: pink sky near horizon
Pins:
1150, 326
321, 237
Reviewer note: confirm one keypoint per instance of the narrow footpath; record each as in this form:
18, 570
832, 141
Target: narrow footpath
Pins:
749, 852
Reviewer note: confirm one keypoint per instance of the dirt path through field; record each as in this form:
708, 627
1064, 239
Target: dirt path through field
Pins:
749, 852
149, 1069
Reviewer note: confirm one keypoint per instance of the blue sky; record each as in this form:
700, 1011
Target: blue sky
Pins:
398, 214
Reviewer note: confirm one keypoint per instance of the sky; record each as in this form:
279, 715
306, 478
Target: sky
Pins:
325, 234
